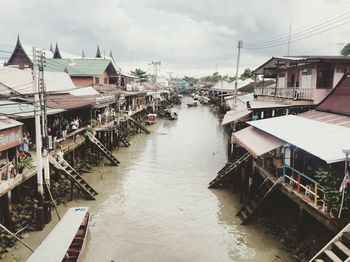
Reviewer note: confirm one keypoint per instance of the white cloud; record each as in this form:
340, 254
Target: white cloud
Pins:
187, 36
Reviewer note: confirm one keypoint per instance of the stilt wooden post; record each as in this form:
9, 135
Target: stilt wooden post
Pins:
301, 218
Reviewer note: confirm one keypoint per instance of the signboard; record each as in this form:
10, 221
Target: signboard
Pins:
10, 137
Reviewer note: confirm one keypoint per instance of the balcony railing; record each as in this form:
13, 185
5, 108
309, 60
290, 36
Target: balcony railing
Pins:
301, 93
304, 184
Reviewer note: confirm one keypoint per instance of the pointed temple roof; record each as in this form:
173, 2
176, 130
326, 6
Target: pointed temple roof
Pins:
98, 53
19, 56
51, 48
57, 53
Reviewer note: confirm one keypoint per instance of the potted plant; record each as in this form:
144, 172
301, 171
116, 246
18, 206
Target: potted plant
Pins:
26, 162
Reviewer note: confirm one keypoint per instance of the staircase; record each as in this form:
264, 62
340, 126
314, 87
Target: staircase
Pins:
72, 174
227, 170
338, 249
261, 194
139, 125
102, 148
123, 139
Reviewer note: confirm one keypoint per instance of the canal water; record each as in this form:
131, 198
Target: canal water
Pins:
156, 206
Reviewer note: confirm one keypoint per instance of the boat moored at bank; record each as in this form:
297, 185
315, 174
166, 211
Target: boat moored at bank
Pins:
67, 241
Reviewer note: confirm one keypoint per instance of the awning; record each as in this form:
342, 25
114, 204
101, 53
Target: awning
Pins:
256, 141
234, 115
323, 140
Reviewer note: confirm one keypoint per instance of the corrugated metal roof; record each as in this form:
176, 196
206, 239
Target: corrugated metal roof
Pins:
5, 91
271, 63
21, 110
84, 91
329, 118
246, 97
256, 104
231, 86
6, 123
21, 81
234, 115
78, 67
256, 141
325, 141
338, 100
68, 101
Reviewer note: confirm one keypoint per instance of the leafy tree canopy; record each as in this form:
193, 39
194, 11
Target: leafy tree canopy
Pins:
190, 80
346, 50
140, 74
247, 74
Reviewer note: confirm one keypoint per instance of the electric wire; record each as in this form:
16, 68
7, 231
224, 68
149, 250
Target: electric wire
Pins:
304, 31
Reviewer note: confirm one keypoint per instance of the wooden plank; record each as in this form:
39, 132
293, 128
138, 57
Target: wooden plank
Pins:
332, 256
343, 248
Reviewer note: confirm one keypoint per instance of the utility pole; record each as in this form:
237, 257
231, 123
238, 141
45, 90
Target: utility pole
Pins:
240, 45
38, 143
170, 76
156, 65
47, 144
222, 93
43, 105
290, 31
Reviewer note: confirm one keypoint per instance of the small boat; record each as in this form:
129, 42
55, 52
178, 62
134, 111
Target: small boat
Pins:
67, 241
151, 119
193, 103
170, 114
204, 100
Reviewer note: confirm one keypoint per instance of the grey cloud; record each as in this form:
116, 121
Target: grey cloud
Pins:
199, 34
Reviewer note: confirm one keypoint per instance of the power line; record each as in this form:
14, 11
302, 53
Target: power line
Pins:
303, 32
299, 39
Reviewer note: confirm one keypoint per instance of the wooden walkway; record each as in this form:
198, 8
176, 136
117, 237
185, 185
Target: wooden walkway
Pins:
338, 249
304, 201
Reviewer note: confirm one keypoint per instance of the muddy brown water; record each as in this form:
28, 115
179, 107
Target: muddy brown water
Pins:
156, 206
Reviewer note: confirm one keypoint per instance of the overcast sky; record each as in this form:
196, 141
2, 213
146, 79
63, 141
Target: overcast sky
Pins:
189, 37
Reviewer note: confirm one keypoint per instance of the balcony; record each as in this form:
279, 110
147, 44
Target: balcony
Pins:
302, 189
298, 93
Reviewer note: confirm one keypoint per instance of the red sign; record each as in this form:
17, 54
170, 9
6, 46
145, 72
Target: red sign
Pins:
10, 137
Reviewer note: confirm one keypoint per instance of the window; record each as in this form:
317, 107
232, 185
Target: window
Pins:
97, 80
281, 80
105, 80
306, 78
324, 78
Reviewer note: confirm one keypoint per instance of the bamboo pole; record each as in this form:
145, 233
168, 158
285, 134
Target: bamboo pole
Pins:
16, 237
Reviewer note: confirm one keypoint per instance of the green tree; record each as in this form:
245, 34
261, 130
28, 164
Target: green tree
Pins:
214, 78
346, 50
190, 80
140, 74
247, 74
331, 183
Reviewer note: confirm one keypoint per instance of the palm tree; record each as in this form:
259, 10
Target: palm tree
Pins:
142, 75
